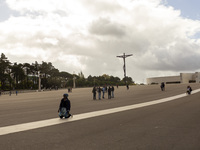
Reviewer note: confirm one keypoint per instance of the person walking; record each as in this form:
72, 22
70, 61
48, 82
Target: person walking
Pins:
64, 107
106, 88
112, 90
109, 92
103, 91
127, 87
94, 93
99, 91
162, 86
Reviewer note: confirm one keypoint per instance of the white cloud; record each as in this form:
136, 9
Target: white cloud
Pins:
87, 36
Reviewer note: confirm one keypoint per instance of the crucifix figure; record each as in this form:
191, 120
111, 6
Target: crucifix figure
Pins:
124, 67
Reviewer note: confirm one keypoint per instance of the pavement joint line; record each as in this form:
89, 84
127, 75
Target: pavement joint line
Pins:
55, 121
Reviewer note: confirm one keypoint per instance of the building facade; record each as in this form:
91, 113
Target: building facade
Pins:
182, 78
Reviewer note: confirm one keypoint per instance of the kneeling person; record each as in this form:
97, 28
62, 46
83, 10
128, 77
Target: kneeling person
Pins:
189, 90
64, 107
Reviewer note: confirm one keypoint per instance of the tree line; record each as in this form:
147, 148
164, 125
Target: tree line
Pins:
26, 76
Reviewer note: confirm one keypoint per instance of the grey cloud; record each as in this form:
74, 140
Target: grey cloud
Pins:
180, 57
104, 26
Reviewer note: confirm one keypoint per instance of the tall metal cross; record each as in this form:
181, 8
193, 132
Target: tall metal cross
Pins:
124, 67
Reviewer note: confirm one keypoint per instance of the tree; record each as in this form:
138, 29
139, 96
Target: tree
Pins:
35, 69
81, 75
23, 76
4, 70
128, 80
18, 75
106, 77
65, 75
46, 68
28, 72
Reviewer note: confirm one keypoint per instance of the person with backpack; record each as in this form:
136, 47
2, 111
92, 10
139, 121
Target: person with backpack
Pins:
64, 107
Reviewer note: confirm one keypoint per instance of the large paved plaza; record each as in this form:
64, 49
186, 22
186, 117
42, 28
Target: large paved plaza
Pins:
171, 125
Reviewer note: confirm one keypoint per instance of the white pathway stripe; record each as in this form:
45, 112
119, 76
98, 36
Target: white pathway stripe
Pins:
55, 121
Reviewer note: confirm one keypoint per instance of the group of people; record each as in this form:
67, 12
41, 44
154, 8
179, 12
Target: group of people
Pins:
188, 91
103, 90
10, 93
65, 104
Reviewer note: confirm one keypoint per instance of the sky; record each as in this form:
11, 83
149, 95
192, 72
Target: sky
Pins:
87, 35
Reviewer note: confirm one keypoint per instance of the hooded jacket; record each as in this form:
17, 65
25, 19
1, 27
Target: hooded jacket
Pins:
65, 103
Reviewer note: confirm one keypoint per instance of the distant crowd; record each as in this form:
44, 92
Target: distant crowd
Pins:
101, 91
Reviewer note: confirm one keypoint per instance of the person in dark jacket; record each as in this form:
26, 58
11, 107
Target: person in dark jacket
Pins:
65, 106
109, 92
99, 91
94, 91
112, 90
103, 91
189, 90
127, 86
162, 86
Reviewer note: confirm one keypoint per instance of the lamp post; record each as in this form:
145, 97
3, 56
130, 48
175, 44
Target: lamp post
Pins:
124, 67
39, 82
74, 81
10, 79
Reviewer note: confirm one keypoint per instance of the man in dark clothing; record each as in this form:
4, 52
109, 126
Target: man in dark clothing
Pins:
94, 93
109, 93
99, 91
127, 86
189, 90
162, 86
64, 107
112, 89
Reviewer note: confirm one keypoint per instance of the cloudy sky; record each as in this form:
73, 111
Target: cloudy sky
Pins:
87, 35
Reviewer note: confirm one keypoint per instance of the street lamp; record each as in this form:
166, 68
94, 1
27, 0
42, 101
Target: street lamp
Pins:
39, 82
74, 81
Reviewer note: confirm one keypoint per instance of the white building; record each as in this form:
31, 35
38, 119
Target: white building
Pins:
182, 78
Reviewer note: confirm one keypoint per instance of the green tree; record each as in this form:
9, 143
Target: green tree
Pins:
28, 73
129, 80
45, 69
81, 75
4, 70
35, 69
65, 75
18, 75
